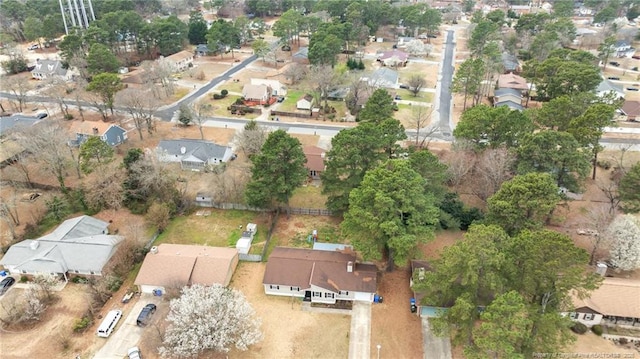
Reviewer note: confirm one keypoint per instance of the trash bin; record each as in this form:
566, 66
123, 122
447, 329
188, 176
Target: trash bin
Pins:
157, 292
377, 298
414, 307
3, 273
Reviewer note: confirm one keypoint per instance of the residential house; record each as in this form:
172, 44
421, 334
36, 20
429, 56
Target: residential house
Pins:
507, 94
301, 56
47, 69
202, 50
195, 155
173, 266
631, 109
257, 93
315, 160
339, 94
615, 302
16, 122
622, 47
305, 102
80, 246
180, 61
383, 77
110, 133
510, 63
277, 88
319, 276
607, 87
520, 9
513, 81
515, 106
403, 41
393, 58
418, 270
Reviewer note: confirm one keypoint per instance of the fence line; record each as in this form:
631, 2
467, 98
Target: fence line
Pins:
244, 207
290, 114
273, 226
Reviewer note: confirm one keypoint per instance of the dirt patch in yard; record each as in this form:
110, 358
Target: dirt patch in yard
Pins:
295, 230
393, 326
49, 338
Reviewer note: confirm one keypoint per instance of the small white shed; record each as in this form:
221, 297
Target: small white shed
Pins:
243, 245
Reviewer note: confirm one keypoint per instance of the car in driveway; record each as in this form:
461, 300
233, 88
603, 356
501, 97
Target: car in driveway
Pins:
33, 47
5, 284
134, 353
614, 63
145, 314
632, 89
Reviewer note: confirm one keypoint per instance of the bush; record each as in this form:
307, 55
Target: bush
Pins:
597, 329
79, 280
81, 324
24, 279
604, 164
579, 328
217, 97
68, 117
224, 93
623, 341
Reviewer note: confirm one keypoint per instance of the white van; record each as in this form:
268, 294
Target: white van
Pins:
109, 323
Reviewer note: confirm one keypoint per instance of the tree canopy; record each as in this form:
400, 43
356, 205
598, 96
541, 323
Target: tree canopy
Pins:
209, 318
624, 235
629, 193
276, 172
379, 107
525, 202
94, 152
390, 211
493, 126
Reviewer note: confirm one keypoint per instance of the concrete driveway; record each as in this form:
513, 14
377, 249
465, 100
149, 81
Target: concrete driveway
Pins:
360, 333
127, 333
434, 347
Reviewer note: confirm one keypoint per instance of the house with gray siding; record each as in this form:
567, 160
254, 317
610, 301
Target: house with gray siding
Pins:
195, 155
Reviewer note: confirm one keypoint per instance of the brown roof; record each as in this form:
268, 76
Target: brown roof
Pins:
400, 55
616, 297
303, 267
631, 108
178, 265
86, 127
179, 56
307, 97
512, 81
315, 158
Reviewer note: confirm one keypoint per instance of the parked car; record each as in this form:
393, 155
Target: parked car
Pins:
632, 89
33, 47
613, 78
5, 284
134, 353
145, 314
406, 87
635, 68
397, 98
41, 115
614, 63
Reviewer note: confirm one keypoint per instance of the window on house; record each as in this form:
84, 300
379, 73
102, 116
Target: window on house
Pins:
271, 286
92, 272
75, 271
23, 271
344, 292
328, 295
295, 289
589, 316
574, 315
317, 294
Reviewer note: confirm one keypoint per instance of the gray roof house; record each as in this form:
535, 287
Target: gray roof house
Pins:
510, 63
45, 69
79, 245
512, 105
607, 86
195, 155
110, 133
12, 122
501, 95
301, 56
383, 77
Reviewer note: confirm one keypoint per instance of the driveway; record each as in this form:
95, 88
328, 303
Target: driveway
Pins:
434, 347
360, 333
127, 333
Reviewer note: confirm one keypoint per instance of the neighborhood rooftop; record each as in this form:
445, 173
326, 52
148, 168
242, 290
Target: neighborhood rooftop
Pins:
618, 297
200, 149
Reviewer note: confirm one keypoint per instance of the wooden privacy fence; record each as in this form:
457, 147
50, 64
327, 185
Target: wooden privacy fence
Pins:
290, 114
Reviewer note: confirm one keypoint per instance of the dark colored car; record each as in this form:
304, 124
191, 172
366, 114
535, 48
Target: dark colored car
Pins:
613, 78
5, 284
145, 314
633, 89
614, 63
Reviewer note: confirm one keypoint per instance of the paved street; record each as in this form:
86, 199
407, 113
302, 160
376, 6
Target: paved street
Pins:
444, 104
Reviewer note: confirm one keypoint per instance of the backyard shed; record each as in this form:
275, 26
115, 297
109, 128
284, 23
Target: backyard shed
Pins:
243, 245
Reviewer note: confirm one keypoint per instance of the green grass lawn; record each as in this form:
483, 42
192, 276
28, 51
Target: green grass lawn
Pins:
408, 95
230, 86
289, 103
308, 197
221, 228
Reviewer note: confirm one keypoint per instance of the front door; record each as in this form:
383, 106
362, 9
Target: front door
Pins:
307, 296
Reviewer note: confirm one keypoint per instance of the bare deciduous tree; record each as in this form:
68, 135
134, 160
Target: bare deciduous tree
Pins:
105, 191
251, 138
324, 79
420, 120
460, 161
492, 168
416, 83
597, 220
48, 143
200, 113
9, 211
295, 72
141, 107
19, 88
